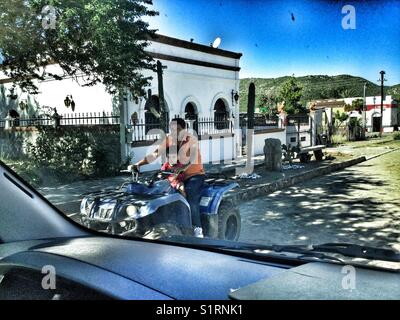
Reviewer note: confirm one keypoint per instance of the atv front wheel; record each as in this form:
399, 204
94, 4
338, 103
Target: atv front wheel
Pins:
229, 221
163, 230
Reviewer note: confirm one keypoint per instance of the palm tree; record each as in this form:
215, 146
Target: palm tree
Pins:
347, 93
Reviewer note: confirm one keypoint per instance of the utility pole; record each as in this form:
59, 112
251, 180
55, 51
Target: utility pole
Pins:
382, 93
251, 103
364, 112
251, 106
163, 111
123, 109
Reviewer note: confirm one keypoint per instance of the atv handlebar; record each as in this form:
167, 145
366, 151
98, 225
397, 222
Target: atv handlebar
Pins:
159, 174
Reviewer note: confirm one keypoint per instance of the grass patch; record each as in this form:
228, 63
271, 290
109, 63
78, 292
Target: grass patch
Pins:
338, 139
388, 140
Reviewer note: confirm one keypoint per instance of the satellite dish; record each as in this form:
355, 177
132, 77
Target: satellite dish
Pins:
216, 43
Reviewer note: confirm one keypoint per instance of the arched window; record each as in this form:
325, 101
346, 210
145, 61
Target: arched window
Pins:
221, 115
192, 115
153, 113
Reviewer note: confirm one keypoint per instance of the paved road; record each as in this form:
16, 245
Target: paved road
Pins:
359, 205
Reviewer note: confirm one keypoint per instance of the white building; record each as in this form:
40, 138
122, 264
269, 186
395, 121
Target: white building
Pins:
195, 74
391, 112
199, 81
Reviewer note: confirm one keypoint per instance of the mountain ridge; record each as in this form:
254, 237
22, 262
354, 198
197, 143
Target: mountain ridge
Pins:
315, 87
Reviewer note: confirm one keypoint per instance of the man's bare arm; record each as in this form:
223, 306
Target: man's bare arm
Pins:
151, 157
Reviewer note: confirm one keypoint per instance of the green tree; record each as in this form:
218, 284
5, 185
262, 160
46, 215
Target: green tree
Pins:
291, 93
346, 92
339, 118
268, 106
356, 105
101, 40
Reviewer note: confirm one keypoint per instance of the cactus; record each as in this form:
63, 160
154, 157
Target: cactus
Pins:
251, 104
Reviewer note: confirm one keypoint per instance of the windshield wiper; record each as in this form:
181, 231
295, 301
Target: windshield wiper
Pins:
303, 251
344, 249
358, 251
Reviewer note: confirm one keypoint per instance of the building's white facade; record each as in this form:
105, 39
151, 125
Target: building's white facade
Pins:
391, 111
197, 76
194, 74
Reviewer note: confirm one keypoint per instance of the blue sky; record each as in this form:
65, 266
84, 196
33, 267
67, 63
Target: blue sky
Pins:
274, 45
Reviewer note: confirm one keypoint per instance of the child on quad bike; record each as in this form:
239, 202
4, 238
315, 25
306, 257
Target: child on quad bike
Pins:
178, 177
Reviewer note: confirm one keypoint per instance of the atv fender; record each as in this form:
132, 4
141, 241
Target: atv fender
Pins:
212, 195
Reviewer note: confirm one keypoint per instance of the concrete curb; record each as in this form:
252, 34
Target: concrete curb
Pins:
382, 154
266, 188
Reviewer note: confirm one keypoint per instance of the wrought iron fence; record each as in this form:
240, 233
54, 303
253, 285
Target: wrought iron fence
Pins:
100, 118
72, 119
140, 130
214, 126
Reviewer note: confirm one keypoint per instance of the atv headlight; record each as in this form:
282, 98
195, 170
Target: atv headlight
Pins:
131, 211
86, 206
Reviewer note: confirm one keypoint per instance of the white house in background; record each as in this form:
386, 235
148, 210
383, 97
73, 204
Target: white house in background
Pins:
391, 111
199, 81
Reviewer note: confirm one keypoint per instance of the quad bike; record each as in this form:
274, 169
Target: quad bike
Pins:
153, 209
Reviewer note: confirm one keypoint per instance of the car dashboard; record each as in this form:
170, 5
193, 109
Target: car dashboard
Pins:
95, 267
105, 267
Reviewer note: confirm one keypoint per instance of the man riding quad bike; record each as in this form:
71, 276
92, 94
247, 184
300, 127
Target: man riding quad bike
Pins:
172, 202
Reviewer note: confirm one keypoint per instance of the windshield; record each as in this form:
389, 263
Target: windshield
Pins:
266, 123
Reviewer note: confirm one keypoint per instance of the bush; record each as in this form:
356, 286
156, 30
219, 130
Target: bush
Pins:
396, 136
68, 154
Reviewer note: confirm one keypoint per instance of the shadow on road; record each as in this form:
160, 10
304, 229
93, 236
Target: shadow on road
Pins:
342, 207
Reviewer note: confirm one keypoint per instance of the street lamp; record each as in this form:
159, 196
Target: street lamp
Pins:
364, 112
382, 73
69, 102
235, 96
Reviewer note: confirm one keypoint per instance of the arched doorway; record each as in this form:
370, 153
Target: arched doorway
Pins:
152, 113
221, 115
191, 115
376, 122
15, 116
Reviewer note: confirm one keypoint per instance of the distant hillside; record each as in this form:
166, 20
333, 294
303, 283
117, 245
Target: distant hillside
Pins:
315, 87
